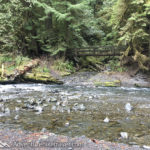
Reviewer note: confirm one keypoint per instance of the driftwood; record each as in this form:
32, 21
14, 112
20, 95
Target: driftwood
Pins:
20, 72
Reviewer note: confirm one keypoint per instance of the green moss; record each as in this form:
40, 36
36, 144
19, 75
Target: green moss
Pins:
98, 83
115, 83
93, 60
40, 77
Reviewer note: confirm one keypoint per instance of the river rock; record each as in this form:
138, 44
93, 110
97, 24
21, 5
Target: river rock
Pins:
7, 111
75, 107
1, 100
146, 147
16, 117
39, 102
82, 107
43, 130
2, 107
106, 120
32, 102
53, 100
28, 106
60, 109
58, 103
67, 123
124, 135
68, 110
18, 101
39, 109
17, 109
128, 107
53, 108
64, 103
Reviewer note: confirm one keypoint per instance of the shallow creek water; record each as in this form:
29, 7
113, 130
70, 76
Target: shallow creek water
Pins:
36, 107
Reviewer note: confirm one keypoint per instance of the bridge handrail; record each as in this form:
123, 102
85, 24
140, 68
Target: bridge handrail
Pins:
110, 47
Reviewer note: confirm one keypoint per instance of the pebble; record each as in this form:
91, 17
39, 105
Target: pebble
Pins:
124, 135
106, 120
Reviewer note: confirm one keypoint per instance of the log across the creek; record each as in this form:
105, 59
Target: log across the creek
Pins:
23, 69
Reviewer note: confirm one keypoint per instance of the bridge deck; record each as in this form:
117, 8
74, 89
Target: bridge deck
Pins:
100, 51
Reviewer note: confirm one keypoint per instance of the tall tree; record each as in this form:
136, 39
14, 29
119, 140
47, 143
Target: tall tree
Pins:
131, 19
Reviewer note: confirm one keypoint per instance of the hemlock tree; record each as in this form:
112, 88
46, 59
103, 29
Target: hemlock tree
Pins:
10, 24
54, 26
65, 25
131, 18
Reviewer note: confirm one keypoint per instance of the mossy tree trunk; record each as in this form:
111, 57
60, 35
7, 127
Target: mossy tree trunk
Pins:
23, 69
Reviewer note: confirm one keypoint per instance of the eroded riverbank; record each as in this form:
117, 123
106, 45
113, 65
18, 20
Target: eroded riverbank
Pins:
108, 79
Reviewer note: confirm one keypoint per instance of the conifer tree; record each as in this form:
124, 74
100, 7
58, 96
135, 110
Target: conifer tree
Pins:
131, 19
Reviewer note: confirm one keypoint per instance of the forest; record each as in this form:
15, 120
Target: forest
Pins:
75, 74
55, 27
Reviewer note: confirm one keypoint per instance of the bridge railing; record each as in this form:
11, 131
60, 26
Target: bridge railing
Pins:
100, 51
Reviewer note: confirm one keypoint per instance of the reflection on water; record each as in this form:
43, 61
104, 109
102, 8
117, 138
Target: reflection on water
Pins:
77, 110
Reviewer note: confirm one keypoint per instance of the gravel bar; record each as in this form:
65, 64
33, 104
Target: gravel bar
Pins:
20, 140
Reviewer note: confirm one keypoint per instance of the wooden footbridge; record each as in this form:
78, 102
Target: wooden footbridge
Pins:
100, 51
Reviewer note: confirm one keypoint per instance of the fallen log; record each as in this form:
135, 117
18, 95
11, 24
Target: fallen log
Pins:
23, 69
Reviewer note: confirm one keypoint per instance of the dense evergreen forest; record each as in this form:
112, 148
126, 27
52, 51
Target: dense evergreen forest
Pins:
36, 27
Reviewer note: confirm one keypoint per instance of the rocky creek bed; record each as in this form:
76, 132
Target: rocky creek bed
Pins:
80, 109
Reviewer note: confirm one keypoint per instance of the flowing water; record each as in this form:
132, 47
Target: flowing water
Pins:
77, 110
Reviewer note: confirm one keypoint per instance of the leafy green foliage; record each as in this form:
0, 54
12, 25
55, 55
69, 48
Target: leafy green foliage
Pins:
115, 65
62, 65
54, 26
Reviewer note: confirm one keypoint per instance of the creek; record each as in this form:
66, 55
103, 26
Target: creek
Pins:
74, 110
